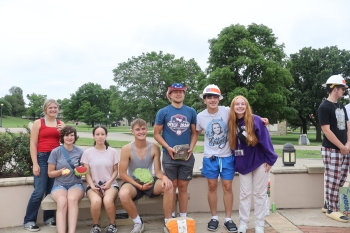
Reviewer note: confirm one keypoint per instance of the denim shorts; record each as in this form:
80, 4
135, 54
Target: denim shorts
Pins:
67, 187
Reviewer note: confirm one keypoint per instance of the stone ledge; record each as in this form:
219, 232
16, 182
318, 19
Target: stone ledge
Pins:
289, 170
315, 168
16, 181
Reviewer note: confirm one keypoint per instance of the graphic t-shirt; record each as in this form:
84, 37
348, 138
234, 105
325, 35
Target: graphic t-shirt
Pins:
176, 127
334, 115
215, 132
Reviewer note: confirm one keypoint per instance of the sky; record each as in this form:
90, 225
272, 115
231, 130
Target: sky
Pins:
54, 47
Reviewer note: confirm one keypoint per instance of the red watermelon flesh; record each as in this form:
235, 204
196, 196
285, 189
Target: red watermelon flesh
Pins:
81, 170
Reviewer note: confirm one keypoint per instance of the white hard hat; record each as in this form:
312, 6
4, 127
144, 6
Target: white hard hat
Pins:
211, 90
335, 80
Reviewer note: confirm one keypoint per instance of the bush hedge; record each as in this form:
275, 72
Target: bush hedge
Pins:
15, 160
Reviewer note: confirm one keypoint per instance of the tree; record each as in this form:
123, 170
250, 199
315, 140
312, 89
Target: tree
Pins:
311, 68
16, 100
36, 102
6, 107
89, 104
116, 108
248, 61
146, 79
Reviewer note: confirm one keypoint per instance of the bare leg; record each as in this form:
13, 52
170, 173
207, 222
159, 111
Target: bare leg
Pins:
168, 198
74, 196
108, 202
212, 195
126, 194
183, 195
96, 203
228, 196
60, 196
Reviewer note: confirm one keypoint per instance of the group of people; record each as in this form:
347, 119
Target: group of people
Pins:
235, 140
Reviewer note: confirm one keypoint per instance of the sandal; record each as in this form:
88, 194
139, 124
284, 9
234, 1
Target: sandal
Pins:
337, 216
213, 225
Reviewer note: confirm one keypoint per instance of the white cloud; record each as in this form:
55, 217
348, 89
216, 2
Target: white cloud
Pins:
54, 47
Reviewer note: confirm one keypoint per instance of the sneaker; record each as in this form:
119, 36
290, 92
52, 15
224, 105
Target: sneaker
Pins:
138, 228
50, 222
242, 228
111, 228
230, 226
31, 226
95, 229
259, 229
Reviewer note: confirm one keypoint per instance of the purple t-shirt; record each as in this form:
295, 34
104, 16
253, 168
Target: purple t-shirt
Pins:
255, 156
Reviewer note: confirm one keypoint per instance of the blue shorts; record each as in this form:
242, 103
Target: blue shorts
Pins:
67, 187
215, 166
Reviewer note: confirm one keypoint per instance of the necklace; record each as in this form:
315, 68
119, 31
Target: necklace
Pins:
337, 108
213, 115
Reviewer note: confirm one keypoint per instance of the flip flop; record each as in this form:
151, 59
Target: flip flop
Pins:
337, 216
324, 210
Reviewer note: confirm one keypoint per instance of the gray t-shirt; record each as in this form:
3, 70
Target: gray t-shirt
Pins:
57, 158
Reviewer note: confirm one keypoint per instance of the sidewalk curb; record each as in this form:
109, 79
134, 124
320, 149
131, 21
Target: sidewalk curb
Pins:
281, 224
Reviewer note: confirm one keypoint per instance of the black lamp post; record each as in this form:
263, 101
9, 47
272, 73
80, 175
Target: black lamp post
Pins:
1, 115
288, 155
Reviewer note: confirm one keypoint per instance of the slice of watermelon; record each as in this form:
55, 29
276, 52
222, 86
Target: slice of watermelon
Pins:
81, 170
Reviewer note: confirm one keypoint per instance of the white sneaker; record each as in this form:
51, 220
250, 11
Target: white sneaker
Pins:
259, 229
242, 228
138, 228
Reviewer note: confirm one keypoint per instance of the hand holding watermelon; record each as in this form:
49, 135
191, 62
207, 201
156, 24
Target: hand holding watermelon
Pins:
80, 171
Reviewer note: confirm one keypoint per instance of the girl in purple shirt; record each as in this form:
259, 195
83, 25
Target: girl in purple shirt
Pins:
254, 157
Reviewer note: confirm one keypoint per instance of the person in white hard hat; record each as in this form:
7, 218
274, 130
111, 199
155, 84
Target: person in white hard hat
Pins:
335, 145
218, 160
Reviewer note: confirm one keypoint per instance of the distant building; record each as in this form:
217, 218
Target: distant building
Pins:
278, 129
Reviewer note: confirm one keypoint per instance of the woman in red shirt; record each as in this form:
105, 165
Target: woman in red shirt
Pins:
45, 136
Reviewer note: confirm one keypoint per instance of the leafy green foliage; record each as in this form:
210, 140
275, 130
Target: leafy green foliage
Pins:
15, 99
310, 68
146, 79
36, 102
89, 104
15, 159
142, 175
249, 62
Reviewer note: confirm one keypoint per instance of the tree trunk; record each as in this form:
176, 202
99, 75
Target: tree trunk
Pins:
304, 126
318, 133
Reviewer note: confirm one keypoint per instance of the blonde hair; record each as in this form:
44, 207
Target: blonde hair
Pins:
47, 103
138, 121
248, 122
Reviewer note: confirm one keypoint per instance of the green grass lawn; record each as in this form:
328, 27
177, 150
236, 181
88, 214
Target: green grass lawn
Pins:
14, 122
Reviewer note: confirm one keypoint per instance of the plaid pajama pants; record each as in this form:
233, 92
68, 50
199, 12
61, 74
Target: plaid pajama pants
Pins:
336, 171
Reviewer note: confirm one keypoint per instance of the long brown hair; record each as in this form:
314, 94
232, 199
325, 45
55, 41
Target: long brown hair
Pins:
248, 122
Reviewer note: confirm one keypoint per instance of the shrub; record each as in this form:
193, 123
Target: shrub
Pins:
15, 157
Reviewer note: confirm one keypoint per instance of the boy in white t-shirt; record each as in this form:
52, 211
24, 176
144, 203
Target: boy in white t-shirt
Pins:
218, 159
